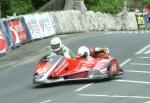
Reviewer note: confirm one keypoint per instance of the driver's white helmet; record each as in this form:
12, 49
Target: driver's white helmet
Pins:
56, 44
84, 51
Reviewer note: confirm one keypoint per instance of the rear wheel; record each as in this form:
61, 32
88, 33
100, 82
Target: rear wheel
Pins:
113, 69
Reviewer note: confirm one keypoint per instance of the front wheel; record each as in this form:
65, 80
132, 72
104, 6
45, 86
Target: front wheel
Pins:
113, 69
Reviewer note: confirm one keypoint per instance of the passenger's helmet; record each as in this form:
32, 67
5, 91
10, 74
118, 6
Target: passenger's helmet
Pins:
56, 44
83, 51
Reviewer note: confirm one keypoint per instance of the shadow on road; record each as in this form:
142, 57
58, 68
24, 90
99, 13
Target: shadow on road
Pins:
72, 82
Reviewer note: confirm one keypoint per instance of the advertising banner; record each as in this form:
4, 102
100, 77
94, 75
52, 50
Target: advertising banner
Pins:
33, 26
140, 21
39, 25
17, 31
45, 24
3, 43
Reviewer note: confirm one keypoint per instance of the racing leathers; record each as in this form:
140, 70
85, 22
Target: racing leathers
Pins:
99, 52
65, 51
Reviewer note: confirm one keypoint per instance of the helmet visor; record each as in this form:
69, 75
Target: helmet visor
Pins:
55, 47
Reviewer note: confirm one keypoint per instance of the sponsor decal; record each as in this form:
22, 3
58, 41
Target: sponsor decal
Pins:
100, 64
61, 67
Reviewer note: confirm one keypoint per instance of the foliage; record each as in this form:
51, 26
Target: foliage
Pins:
147, 3
39, 3
8, 7
21, 6
108, 6
5, 7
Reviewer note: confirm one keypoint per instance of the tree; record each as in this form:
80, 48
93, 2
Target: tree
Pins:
5, 7
8, 7
21, 6
38, 3
146, 3
108, 6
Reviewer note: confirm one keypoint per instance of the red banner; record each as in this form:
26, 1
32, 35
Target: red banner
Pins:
3, 43
17, 30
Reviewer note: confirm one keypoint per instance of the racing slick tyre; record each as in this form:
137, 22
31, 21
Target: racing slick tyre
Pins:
112, 69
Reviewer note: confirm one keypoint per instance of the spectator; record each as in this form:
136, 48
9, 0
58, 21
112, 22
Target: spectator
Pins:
147, 11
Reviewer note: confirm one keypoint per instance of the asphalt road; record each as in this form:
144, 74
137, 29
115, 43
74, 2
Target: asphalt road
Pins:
131, 49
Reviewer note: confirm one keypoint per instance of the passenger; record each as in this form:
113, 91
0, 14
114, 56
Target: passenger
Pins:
84, 52
97, 52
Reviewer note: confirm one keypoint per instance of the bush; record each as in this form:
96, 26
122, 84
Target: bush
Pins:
8, 7
107, 6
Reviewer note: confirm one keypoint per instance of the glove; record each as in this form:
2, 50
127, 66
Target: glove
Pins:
97, 49
106, 50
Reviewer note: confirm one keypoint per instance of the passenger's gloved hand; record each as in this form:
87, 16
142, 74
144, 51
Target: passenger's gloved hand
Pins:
97, 49
107, 50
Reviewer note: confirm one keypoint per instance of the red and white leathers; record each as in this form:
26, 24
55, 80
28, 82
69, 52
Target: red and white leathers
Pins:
99, 52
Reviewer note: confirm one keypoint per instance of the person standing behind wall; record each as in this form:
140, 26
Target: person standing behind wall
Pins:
147, 11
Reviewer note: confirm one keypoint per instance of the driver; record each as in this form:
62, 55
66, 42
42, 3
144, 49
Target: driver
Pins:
58, 48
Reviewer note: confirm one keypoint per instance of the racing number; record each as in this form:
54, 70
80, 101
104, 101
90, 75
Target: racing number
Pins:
114, 67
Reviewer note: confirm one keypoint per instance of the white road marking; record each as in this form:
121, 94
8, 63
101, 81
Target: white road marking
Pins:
147, 102
114, 96
147, 52
143, 49
85, 86
125, 62
144, 57
139, 64
136, 71
132, 81
47, 101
